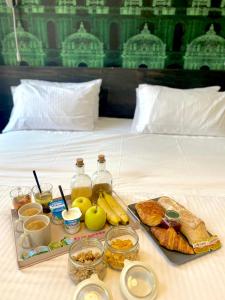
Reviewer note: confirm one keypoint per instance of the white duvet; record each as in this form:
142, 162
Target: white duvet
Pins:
190, 169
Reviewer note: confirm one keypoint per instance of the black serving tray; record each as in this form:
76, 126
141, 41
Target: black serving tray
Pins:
173, 256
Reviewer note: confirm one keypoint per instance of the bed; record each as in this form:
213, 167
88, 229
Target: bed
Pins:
188, 168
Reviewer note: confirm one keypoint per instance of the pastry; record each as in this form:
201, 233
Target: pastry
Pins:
150, 212
171, 240
192, 227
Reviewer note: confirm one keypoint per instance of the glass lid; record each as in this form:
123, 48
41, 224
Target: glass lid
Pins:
93, 292
138, 281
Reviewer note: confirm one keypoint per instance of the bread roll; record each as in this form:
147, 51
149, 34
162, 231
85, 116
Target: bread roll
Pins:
150, 212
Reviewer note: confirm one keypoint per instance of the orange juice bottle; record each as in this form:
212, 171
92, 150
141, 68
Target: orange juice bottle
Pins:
81, 182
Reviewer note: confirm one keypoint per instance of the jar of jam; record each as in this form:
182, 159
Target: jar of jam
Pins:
171, 219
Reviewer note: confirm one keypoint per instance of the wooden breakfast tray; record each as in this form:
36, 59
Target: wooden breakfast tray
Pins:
58, 233
174, 256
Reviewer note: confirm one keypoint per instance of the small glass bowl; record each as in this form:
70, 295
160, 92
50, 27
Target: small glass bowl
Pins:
20, 196
86, 250
121, 242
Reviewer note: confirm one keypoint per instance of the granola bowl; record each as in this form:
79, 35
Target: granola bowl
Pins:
86, 257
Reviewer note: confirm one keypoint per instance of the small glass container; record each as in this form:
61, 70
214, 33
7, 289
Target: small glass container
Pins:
45, 197
171, 219
121, 242
86, 257
20, 196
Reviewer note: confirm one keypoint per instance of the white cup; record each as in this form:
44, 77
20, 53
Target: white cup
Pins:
25, 212
36, 232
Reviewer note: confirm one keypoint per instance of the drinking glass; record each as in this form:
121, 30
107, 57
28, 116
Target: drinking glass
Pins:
20, 196
44, 197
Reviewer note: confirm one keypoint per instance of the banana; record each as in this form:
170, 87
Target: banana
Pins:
116, 207
111, 216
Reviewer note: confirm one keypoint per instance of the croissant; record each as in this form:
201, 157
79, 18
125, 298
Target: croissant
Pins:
150, 212
171, 240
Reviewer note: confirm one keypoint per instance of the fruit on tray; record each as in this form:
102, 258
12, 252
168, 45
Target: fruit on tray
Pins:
115, 206
95, 218
150, 212
83, 203
171, 240
111, 215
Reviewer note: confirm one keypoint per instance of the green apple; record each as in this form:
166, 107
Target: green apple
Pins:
95, 218
83, 203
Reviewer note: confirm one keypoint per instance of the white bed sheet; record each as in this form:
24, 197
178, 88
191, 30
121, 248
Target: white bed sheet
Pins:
190, 169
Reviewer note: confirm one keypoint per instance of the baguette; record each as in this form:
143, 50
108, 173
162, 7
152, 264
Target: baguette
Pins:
192, 227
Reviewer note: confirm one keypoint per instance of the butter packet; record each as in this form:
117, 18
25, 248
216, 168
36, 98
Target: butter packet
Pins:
55, 245
33, 252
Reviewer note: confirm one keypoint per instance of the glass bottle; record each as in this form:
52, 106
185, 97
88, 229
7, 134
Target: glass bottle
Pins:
101, 179
81, 182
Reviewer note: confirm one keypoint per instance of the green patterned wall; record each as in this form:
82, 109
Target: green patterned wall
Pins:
155, 34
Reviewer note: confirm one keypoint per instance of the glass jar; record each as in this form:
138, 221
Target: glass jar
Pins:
101, 179
121, 242
86, 257
92, 289
171, 219
81, 183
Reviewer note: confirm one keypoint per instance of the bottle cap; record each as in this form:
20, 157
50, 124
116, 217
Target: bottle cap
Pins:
138, 281
101, 158
80, 162
91, 289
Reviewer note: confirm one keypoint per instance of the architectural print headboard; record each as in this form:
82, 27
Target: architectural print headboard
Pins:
156, 34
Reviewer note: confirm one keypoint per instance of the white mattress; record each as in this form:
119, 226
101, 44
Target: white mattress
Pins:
190, 169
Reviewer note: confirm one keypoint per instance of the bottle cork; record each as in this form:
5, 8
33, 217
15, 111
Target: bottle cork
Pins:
80, 162
101, 158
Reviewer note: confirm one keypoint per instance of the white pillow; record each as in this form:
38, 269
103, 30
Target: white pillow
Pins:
95, 84
13, 89
175, 111
53, 108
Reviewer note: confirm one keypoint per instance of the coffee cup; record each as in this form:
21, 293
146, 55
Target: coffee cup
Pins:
25, 212
36, 232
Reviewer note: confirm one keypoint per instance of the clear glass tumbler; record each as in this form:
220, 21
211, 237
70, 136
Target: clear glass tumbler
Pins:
44, 197
20, 196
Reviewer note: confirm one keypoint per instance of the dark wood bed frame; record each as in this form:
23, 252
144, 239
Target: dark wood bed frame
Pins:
117, 97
